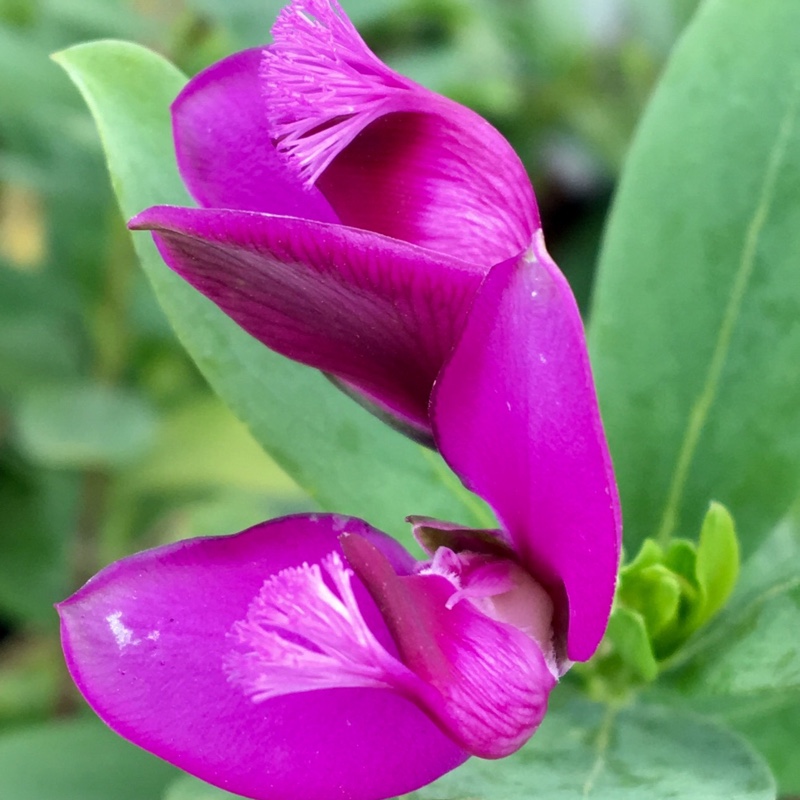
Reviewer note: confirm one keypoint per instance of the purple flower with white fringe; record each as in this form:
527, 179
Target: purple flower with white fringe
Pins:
311, 656
357, 222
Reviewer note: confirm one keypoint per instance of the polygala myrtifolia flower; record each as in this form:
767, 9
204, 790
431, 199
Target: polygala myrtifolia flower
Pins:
311, 656
348, 215
359, 223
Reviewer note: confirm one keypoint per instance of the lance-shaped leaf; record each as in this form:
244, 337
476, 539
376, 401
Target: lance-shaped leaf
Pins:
695, 334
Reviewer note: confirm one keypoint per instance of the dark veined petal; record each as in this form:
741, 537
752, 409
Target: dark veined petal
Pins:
225, 154
389, 155
380, 314
515, 415
153, 642
491, 680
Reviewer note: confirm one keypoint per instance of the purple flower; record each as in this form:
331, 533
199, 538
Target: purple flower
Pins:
259, 663
312, 657
348, 215
359, 223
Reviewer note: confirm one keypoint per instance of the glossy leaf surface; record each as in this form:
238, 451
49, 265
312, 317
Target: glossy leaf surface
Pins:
578, 753
694, 328
78, 760
753, 647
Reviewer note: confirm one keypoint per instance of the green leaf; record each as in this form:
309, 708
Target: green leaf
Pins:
654, 592
717, 565
628, 633
775, 732
649, 554
582, 751
763, 654
663, 597
323, 440
80, 760
753, 646
695, 339
650, 588
771, 724
681, 558
188, 788
84, 426
775, 566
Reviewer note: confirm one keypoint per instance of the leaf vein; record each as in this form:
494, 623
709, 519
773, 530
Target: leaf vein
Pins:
705, 400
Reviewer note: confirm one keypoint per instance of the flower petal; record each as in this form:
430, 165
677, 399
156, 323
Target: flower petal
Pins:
225, 154
431, 534
147, 639
515, 415
492, 680
383, 315
389, 155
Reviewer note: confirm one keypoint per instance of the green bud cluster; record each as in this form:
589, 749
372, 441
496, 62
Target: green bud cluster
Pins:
664, 596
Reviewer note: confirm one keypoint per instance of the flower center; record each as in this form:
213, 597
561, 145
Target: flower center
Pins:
500, 589
300, 636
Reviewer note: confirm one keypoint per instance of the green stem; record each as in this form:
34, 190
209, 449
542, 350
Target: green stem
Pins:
602, 744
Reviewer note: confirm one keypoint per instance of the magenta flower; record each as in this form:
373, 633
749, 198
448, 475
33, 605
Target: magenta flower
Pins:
312, 657
348, 215
354, 221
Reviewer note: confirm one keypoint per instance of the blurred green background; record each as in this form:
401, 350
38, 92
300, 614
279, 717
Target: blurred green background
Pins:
109, 439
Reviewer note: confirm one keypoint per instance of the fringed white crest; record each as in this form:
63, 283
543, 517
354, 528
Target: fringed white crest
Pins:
299, 636
322, 84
